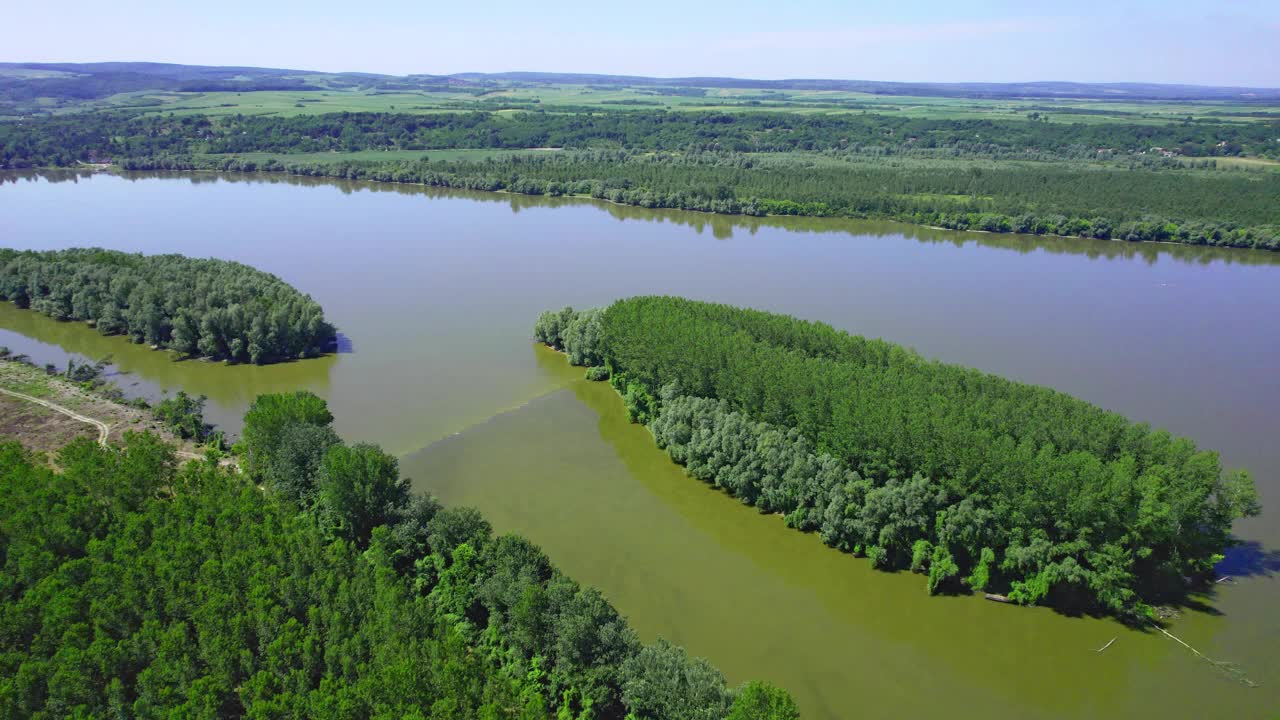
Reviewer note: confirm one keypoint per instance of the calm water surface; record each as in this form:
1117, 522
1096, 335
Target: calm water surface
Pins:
437, 293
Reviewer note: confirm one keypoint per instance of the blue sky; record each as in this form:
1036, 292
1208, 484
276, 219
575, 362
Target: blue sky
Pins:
1227, 42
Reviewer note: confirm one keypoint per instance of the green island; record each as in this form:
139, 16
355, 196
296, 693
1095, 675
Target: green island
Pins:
981, 483
1153, 168
208, 308
312, 584
182, 538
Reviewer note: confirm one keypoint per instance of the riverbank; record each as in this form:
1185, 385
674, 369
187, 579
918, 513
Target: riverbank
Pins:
44, 412
813, 448
685, 187
1150, 230
438, 297
197, 307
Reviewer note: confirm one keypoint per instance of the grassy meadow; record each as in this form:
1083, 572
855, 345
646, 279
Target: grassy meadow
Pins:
566, 98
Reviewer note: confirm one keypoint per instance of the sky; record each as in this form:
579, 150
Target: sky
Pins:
1220, 42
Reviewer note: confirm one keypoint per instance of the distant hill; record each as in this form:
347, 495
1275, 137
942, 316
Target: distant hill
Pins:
25, 83
87, 81
1101, 91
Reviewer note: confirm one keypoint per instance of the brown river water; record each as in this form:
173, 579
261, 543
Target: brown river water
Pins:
436, 292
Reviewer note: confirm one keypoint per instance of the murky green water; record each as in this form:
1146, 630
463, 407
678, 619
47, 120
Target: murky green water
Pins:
437, 293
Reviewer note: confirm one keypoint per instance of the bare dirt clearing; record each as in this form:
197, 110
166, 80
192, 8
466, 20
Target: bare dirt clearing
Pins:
44, 412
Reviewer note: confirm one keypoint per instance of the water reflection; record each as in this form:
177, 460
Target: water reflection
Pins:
688, 563
150, 374
441, 296
724, 227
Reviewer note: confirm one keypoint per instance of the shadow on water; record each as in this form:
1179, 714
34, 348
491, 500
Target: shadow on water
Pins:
150, 374
1250, 559
343, 345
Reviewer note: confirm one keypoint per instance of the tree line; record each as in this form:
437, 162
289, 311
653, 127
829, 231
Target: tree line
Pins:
137, 587
1091, 180
66, 139
1196, 207
980, 482
197, 307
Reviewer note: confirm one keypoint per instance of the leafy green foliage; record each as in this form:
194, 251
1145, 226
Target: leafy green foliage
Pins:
82, 372
582, 338
980, 578
294, 465
1089, 180
662, 683
776, 470
133, 587
162, 612
63, 140
359, 488
640, 403
762, 701
267, 421
921, 551
940, 468
210, 308
577, 333
185, 415
552, 325
943, 568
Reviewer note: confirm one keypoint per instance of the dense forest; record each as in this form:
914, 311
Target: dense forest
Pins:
1084, 180
311, 586
197, 307
65, 139
977, 481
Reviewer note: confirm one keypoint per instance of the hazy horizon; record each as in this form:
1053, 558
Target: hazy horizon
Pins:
685, 76
1185, 42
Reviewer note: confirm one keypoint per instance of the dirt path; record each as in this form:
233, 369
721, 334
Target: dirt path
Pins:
103, 429
36, 416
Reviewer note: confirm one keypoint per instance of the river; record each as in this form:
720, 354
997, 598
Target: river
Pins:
436, 292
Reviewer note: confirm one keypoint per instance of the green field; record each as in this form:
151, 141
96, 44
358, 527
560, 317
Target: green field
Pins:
40, 89
1240, 163
284, 103
577, 97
